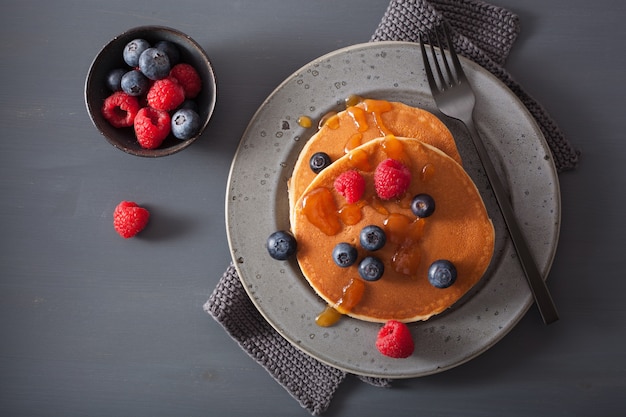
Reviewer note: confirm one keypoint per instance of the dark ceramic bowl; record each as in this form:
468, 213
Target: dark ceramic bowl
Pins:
110, 58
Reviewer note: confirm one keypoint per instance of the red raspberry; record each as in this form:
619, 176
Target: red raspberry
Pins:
391, 179
395, 340
188, 77
151, 127
129, 219
351, 185
166, 94
120, 109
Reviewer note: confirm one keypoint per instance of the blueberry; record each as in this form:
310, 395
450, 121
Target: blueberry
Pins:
281, 245
114, 79
134, 83
423, 205
372, 237
170, 49
344, 254
442, 273
371, 268
154, 64
189, 104
319, 161
185, 124
133, 50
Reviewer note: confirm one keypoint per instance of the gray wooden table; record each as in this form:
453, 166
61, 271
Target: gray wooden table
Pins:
92, 325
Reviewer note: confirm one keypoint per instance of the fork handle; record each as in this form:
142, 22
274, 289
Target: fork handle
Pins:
538, 287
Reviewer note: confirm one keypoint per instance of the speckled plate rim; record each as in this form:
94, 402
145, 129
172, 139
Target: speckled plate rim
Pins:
256, 205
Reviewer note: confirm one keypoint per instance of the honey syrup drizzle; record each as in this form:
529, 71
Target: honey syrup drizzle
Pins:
354, 141
359, 159
330, 119
359, 117
351, 295
358, 114
322, 211
405, 233
377, 108
305, 121
319, 205
351, 214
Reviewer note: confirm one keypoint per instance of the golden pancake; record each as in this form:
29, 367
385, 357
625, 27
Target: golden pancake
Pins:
459, 230
367, 120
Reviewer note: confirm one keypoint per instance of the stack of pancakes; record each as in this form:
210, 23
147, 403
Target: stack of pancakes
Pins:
459, 230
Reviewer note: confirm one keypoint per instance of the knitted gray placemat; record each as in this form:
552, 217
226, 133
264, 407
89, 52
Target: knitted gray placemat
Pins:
309, 381
481, 32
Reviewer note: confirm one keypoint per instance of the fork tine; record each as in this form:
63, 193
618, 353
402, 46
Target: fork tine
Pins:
440, 81
442, 48
433, 54
455, 58
455, 98
427, 67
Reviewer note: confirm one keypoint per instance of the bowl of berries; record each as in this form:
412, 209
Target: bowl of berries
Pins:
151, 91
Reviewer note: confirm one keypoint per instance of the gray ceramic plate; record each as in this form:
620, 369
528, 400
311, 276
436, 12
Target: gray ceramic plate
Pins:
256, 205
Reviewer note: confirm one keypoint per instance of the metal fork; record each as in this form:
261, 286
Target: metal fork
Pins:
455, 98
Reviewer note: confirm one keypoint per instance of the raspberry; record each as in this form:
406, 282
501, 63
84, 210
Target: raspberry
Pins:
151, 127
391, 179
395, 340
129, 219
351, 185
166, 94
120, 109
188, 77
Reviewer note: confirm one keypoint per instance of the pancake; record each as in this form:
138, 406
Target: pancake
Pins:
367, 120
459, 231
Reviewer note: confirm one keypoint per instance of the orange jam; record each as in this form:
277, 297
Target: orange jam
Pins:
320, 209
328, 317
360, 160
352, 294
405, 201
394, 149
305, 121
378, 206
406, 260
351, 214
401, 228
330, 119
353, 100
359, 117
354, 141
427, 172
404, 232
377, 108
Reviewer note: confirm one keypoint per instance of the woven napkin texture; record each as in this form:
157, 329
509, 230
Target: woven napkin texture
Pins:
481, 32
